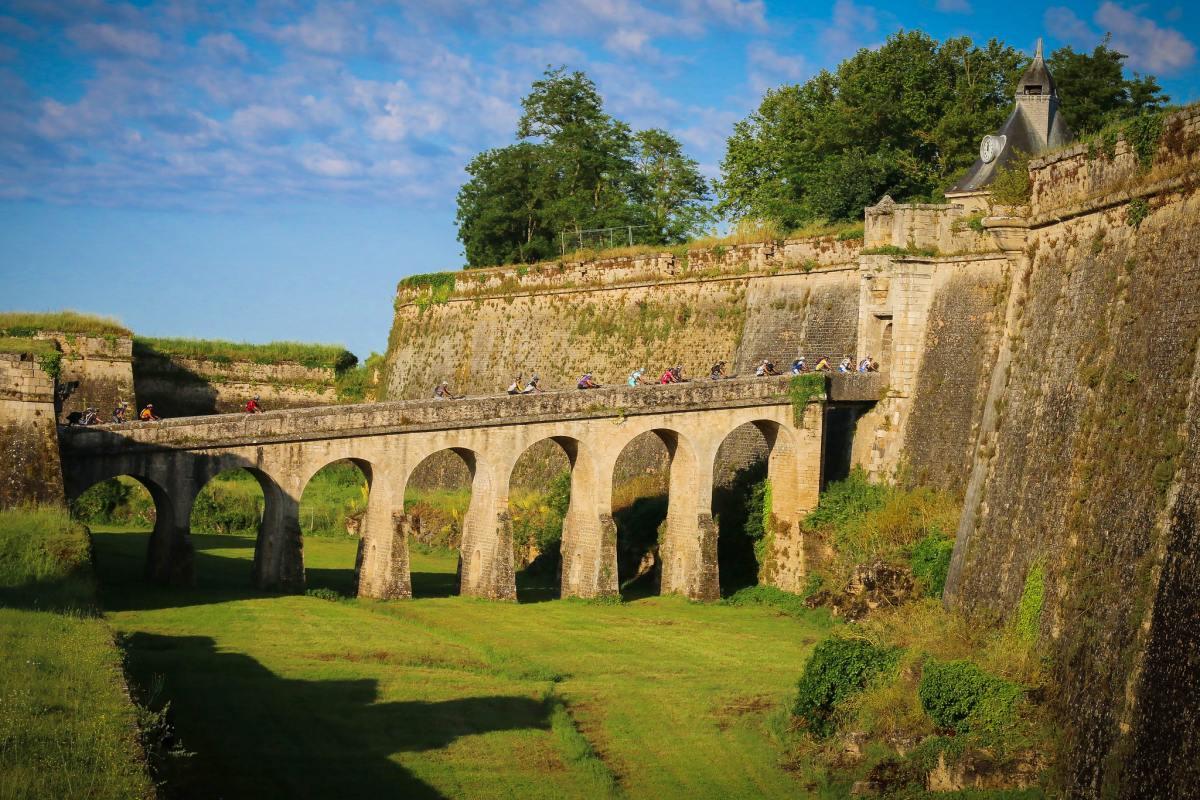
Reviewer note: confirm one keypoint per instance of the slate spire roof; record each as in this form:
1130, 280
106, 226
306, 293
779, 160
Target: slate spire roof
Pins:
1033, 127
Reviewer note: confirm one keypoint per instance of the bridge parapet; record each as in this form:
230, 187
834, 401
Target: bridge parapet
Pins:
368, 419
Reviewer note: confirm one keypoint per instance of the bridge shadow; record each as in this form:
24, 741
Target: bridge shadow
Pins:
255, 734
222, 568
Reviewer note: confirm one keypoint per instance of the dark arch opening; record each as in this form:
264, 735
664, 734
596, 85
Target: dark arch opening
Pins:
437, 497
740, 504
226, 524
640, 497
539, 496
333, 509
132, 521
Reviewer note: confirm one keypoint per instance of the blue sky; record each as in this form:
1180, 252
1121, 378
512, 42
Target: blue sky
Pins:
269, 170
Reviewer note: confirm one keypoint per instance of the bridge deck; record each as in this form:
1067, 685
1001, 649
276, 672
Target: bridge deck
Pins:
370, 419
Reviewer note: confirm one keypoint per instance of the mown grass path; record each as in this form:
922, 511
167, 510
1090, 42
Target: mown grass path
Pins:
448, 696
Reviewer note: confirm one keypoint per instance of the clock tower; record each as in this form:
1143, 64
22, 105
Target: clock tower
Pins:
1033, 127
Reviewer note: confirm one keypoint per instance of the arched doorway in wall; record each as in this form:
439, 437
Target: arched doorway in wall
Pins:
885, 346
741, 504
226, 523
123, 514
333, 513
539, 498
437, 499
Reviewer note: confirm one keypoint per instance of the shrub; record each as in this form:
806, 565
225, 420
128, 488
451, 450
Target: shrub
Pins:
786, 602
931, 561
837, 669
324, 594
1136, 212
1011, 186
959, 696
843, 501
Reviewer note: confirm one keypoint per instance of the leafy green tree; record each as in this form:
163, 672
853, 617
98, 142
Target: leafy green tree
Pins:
673, 193
578, 168
502, 208
1094, 91
904, 120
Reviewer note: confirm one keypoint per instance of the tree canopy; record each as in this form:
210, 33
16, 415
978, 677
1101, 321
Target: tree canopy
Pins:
1093, 90
903, 120
576, 168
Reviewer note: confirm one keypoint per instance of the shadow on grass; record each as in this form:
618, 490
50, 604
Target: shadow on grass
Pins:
223, 572
258, 735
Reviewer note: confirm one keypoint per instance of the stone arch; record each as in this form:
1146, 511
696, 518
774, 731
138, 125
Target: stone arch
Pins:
170, 556
485, 558
360, 523
793, 472
278, 546
683, 534
755, 451
573, 568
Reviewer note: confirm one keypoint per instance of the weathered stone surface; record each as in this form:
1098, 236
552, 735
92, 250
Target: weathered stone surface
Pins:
29, 461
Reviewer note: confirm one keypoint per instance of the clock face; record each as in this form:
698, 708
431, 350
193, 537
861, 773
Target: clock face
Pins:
990, 147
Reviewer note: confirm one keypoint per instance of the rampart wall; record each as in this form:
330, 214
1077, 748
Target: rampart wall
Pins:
181, 387
30, 470
613, 316
1087, 464
101, 365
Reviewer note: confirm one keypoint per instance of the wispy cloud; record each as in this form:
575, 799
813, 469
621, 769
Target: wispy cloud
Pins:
1150, 46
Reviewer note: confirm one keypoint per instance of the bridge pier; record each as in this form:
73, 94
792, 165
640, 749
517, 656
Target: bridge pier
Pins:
170, 556
486, 554
688, 550
794, 472
279, 548
589, 535
383, 569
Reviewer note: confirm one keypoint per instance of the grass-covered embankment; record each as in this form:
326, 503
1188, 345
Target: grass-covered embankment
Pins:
330, 356
916, 697
67, 726
27, 323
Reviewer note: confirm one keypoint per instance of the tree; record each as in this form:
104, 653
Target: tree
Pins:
502, 208
578, 168
903, 120
672, 191
1093, 90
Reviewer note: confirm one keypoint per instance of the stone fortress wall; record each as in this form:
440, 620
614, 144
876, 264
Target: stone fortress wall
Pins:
101, 366
30, 469
1087, 460
181, 387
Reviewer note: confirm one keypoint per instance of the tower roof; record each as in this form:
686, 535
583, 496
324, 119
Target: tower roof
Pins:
1037, 78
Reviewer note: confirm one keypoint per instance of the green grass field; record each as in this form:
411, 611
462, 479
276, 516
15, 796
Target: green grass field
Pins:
444, 696
67, 727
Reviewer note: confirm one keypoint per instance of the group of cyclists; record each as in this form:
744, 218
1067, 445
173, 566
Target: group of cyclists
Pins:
121, 413
766, 368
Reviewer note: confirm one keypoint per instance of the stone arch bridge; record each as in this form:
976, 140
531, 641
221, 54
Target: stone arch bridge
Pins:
175, 458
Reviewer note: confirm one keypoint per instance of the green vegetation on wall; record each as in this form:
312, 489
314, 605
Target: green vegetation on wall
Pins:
325, 356
803, 389
27, 323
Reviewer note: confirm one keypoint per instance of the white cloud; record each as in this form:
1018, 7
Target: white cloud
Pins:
954, 6
106, 39
769, 68
262, 122
1151, 48
852, 26
1066, 26
224, 46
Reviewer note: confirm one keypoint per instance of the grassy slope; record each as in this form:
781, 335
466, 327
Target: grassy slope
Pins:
67, 728
307, 354
449, 696
25, 323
